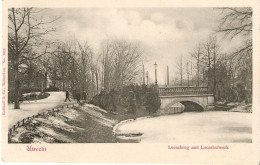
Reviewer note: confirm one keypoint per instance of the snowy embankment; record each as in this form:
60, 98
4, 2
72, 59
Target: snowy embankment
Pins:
42, 128
240, 107
30, 108
99, 115
128, 136
234, 107
80, 124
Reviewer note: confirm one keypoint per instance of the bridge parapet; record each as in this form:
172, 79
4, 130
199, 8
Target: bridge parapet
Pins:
172, 91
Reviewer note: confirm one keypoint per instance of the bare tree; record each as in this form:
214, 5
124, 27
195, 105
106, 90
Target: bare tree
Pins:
180, 69
120, 62
26, 41
188, 71
191, 71
106, 60
86, 59
209, 59
237, 22
216, 53
196, 54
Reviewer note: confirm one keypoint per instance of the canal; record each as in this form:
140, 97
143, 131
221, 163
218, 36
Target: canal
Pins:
202, 127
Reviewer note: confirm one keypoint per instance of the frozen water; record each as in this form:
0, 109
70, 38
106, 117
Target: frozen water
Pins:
212, 126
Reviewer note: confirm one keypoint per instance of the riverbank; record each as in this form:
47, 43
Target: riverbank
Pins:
136, 135
82, 124
233, 107
89, 124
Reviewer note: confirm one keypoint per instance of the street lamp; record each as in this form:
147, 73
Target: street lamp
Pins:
155, 66
147, 77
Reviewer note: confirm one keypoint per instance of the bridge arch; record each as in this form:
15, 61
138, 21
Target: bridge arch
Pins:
185, 102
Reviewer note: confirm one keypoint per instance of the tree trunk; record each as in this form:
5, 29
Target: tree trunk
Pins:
92, 83
198, 70
63, 85
17, 88
188, 80
214, 76
181, 70
15, 65
17, 98
97, 81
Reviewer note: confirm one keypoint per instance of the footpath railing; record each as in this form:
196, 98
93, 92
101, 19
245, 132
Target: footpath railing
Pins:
171, 91
47, 112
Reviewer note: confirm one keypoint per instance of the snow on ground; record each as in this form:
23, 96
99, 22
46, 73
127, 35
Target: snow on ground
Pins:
96, 108
70, 114
16, 137
49, 128
34, 107
242, 107
52, 133
26, 94
96, 114
57, 123
212, 126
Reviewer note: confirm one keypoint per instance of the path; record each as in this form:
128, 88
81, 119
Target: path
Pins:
30, 108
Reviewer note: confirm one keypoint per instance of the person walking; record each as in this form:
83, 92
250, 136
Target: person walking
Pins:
132, 102
84, 96
103, 98
78, 97
67, 95
112, 101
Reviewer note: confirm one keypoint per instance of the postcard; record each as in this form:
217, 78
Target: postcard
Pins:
131, 82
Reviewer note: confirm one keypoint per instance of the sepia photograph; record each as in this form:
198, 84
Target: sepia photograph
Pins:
130, 75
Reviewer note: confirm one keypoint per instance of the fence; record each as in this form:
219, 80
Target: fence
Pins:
169, 91
29, 119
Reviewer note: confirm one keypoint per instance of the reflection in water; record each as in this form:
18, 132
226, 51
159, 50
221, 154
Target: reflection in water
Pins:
177, 108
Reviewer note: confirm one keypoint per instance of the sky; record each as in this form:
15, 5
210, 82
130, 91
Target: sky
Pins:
165, 34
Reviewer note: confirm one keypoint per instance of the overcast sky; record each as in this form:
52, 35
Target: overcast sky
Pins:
164, 33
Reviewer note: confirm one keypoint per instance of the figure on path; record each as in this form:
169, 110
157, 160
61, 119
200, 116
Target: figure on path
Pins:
78, 96
112, 101
84, 96
67, 95
103, 100
132, 102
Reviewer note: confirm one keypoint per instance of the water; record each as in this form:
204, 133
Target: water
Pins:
211, 126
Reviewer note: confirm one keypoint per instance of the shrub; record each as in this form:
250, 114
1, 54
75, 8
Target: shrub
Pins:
130, 97
30, 89
43, 95
152, 101
51, 89
33, 96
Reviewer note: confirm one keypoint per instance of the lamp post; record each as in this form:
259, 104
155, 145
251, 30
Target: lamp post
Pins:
147, 77
143, 76
155, 66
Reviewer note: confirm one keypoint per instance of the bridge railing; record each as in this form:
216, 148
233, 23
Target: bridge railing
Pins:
172, 91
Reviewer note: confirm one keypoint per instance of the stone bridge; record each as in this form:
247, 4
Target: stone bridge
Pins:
193, 98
